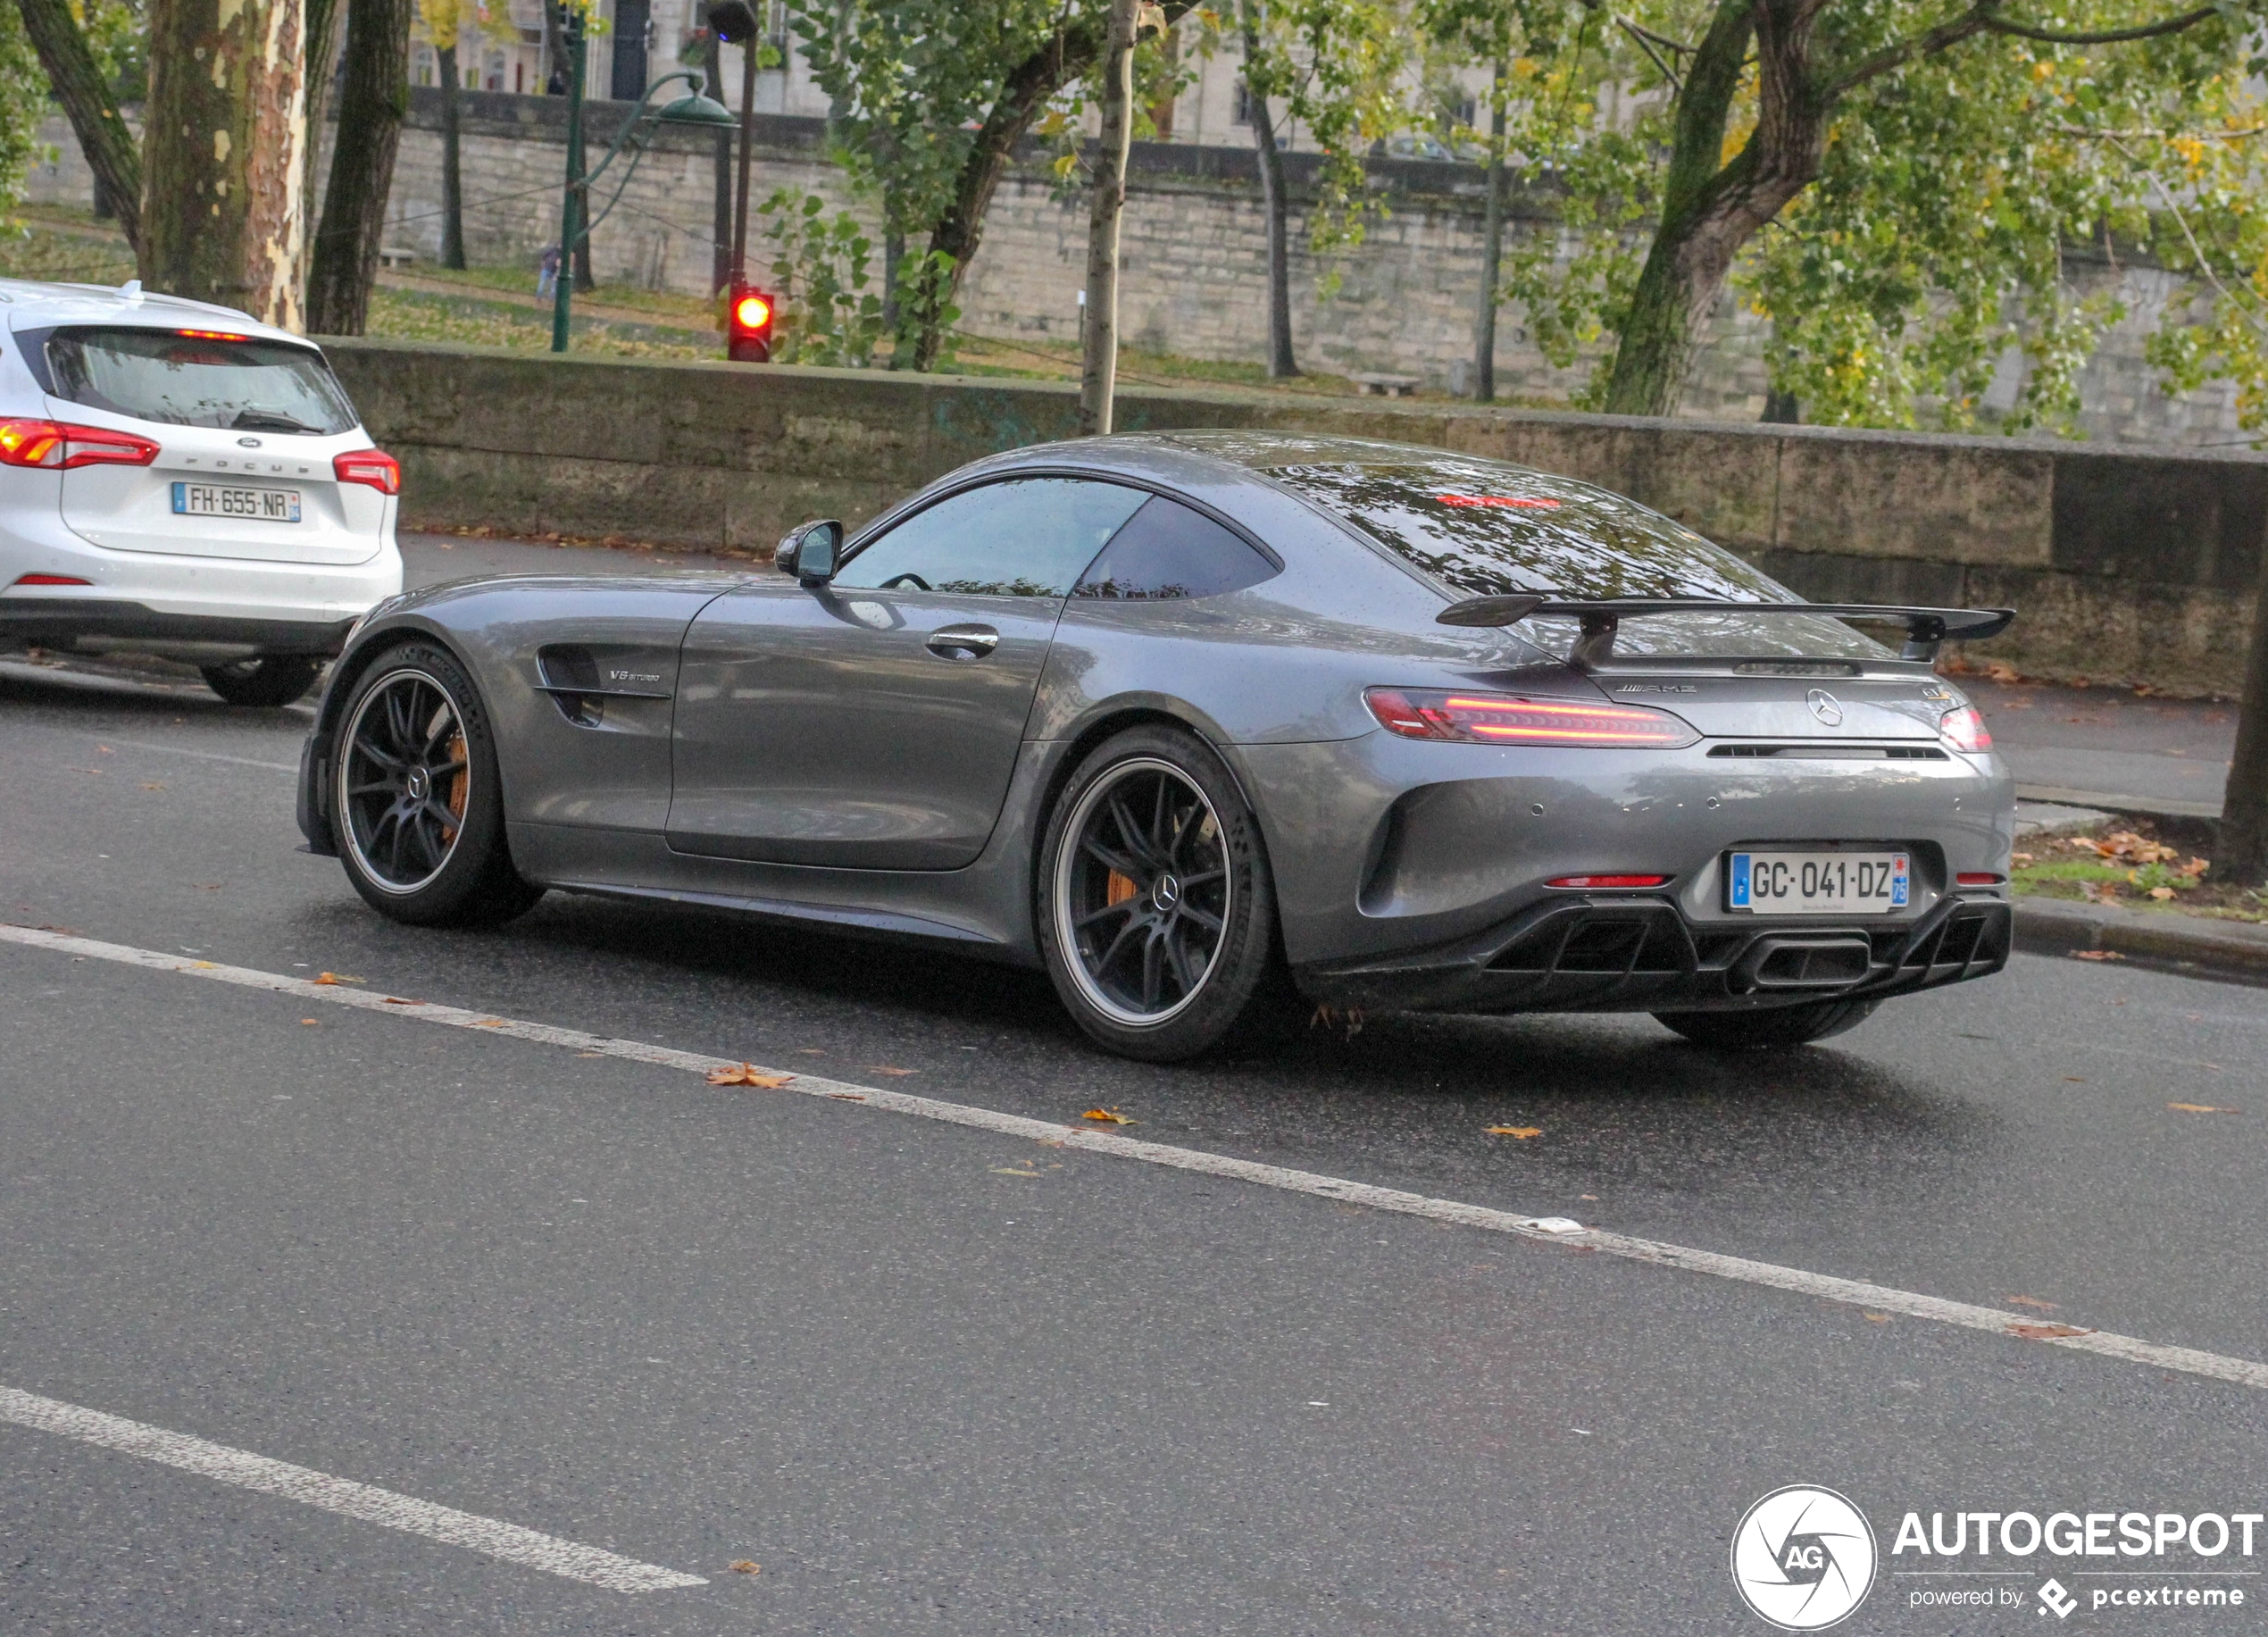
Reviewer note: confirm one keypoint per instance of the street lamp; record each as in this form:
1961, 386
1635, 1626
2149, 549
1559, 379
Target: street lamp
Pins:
574, 209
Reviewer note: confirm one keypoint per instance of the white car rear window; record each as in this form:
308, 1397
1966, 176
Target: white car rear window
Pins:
185, 379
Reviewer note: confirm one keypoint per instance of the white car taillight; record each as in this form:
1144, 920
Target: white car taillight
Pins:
62, 444
371, 468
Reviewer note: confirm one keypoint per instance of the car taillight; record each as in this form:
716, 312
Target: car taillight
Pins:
1980, 878
1965, 729
371, 468
62, 444
1501, 719
1593, 883
50, 579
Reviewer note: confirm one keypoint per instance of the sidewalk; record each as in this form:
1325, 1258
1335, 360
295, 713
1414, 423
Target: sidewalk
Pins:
2109, 749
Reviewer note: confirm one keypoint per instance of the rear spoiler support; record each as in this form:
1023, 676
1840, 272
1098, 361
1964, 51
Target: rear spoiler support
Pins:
1925, 628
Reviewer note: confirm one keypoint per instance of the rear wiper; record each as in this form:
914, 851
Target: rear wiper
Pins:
268, 421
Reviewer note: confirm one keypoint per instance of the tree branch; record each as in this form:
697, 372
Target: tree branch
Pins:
78, 84
2171, 25
1984, 18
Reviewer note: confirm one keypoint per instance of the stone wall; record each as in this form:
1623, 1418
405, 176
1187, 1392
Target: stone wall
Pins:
1194, 252
2127, 565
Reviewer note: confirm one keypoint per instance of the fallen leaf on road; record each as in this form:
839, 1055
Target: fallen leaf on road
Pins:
333, 977
396, 1000
747, 1074
2033, 1301
205, 966
876, 1068
309, 1021
2046, 1332
743, 1567
96, 771
2074, 1080
2200, 1108
846, 1097
1522, 1132
1011, 1171
1879, 1318
489, 1022
2096, 955
150, 784
1109, 1116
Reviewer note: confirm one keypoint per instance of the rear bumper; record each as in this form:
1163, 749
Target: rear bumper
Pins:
58, 622
1641, 953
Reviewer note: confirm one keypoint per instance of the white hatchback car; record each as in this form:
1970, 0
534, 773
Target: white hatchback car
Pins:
178, 479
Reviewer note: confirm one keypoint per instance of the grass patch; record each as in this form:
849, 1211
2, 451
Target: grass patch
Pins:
2133, 869
29, 250
416, 315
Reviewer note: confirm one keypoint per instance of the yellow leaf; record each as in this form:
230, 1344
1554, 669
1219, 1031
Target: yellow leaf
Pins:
743, 1567
2200, 1108
747, 1074
2096, 955
2161, 893
337, 977
1108, 1115
1522, 1132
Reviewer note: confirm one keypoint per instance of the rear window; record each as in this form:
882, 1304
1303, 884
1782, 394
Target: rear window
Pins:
187, 380
1486, 529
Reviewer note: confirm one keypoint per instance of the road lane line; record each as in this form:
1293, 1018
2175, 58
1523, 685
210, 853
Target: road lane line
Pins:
1553, 1230
366, 1502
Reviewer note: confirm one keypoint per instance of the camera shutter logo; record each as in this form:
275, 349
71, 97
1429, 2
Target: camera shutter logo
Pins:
1803, 1557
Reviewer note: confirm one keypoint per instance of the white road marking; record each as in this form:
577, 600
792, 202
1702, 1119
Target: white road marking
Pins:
203, 755
364, 1502
1553, 1230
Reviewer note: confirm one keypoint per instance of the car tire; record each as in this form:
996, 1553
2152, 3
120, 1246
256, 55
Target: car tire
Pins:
1173, 954
271, 680
1779, 1029
416, 801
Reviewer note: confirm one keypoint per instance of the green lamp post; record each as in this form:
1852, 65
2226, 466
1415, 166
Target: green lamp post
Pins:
575, 222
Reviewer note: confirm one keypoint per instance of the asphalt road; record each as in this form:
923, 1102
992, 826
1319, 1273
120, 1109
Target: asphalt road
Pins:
941, 1380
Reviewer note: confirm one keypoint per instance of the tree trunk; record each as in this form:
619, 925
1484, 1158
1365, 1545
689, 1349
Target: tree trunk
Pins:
326, 21
1281, 364
372, 105
2241, 852
452, 167
1098, 382
720, 214
227, 136
1492, 250
1710, 211
78, 83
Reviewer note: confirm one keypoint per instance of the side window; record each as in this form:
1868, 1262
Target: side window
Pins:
1028, 537
1169, 550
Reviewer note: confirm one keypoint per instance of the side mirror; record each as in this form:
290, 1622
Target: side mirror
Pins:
809, 552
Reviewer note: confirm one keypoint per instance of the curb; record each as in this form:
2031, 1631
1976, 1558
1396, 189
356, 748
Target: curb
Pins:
2234, 951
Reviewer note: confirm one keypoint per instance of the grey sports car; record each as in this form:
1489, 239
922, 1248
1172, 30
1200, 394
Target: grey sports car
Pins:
1201, 722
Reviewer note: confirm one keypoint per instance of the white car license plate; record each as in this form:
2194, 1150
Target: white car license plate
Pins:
267, 505
1819, 883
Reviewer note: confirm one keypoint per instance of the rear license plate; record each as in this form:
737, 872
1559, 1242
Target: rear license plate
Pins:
1818, 883
267, 505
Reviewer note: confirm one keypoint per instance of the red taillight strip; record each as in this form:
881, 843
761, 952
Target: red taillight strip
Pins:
62, 444
370, 468
1980, 878
50, 579
1588, 735
1596, 883
1593, 713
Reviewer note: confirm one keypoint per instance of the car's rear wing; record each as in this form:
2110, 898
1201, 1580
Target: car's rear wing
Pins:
1925, 628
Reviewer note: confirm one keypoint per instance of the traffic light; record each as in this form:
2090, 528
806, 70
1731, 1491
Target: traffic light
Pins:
748, 326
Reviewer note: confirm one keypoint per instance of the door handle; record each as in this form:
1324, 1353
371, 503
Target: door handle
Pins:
962, 641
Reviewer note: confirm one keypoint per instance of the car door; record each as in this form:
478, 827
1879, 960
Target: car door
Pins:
874, 723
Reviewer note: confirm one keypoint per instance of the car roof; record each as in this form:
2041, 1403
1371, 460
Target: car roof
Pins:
30, 305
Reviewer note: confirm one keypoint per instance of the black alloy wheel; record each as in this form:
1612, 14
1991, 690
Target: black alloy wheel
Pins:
1145, 892
404, 780
417, 804
1156, 908
271, 679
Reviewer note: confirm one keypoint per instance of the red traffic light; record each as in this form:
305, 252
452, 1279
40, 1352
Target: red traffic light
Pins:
749, 326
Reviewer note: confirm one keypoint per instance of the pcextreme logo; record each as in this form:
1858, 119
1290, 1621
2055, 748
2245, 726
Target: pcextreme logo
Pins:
1803, 1557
